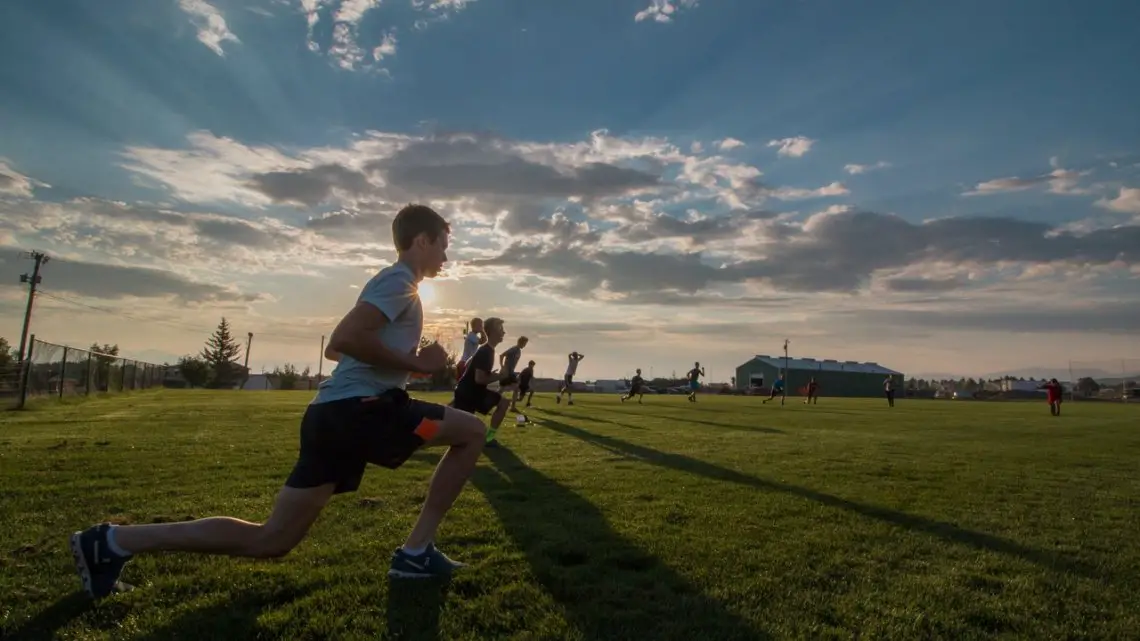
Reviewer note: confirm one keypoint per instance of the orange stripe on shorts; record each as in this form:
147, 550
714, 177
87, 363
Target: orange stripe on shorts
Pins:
427, 429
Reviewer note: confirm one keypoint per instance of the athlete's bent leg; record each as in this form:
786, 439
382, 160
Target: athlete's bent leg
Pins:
294, 512
464, 434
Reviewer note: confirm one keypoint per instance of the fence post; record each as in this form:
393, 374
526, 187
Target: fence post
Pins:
62, 371
87, 383
26, 371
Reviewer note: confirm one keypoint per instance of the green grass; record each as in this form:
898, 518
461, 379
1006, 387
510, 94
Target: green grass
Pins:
721, 520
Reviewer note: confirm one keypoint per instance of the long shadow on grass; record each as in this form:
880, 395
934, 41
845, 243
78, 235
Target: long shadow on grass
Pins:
230, 618
414, 608
609, 587
687, 419
941, 529
51, 619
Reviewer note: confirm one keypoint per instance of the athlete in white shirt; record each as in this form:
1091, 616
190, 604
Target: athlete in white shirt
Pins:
471, 343
568, 380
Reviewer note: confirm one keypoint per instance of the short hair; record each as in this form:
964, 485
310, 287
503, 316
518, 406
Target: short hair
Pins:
491, 323
413, 220
523, 339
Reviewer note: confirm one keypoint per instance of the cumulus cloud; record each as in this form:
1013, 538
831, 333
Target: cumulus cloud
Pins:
1059, 180
663, 10
351, 50
729, 143
1103, 317
108, 281
855, 169
13, 183
794, 147
1127, 201
211, 25
607, 220
829, 252
154, 237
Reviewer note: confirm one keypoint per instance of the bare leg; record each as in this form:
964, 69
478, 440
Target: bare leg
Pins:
294, 512
464, 434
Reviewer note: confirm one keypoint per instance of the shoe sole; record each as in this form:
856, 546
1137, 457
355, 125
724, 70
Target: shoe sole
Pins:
401, 574
81, 563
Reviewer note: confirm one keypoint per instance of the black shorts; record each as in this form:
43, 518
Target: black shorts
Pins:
340, 438
509, 379
481, 402
524, 387
635, 389
568, 380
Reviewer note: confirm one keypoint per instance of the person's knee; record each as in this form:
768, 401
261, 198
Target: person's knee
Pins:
275, 543
460, 428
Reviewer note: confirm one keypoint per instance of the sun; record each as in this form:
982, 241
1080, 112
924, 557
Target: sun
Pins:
427, 293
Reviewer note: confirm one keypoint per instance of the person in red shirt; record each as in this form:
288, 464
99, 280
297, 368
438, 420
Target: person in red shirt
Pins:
812, 392
1053, 391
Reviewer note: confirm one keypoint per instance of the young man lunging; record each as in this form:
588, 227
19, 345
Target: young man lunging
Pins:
636, 388
361, 414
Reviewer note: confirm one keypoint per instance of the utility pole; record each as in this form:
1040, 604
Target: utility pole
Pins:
248, 342
321, 359
33, 282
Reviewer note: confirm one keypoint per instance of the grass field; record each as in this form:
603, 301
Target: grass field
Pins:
721, 520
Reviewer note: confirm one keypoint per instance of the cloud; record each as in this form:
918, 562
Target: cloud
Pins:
663, 10
13, 183
206, 244
855, 169
1060, 181
795, 147
345, 47
919, 285
451, 166
212, 29
310, 187
799, 193
115, 282
1127, 201
1100, 317
729, 143
835, 251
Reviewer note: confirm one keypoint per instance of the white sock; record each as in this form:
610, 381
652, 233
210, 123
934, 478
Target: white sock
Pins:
415, 551
111, 543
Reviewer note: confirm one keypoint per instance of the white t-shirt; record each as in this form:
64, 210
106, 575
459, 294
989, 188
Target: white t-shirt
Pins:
572, 368
470, 344
395, 292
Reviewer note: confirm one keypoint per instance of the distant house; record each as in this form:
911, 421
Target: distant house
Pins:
835, 378
610, 386
258, 382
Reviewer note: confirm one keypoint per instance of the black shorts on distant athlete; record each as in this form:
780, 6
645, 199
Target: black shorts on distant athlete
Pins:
477, 402
340, 438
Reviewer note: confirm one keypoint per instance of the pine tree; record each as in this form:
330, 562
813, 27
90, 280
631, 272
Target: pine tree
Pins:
221, 354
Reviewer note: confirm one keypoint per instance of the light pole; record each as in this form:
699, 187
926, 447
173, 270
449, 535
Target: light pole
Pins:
784, 394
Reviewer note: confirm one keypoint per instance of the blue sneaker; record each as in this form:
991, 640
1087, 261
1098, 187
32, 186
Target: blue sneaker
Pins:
98, 566
430, 563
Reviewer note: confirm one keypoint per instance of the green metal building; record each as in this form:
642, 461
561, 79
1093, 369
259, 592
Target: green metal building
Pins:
835, 378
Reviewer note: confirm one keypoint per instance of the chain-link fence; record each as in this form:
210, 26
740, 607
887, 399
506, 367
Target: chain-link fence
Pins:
1108, 379
60, 370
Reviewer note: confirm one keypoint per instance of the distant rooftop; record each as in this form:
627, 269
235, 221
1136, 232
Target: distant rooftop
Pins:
826, 365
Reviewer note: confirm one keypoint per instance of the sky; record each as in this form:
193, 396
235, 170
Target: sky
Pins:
940, 188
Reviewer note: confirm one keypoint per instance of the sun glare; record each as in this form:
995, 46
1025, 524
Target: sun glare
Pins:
427, 293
